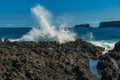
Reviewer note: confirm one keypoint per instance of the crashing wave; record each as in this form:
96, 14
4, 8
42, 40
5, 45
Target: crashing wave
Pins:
47, 31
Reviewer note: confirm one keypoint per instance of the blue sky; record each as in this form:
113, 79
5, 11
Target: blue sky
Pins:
17, 13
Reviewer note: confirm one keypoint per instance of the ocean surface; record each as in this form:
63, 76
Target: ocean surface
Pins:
105, 37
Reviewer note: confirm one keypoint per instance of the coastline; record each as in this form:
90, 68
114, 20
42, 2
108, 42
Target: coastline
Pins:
47, 60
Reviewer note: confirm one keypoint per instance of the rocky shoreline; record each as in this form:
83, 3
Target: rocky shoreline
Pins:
54, 61
109, 64
47, 60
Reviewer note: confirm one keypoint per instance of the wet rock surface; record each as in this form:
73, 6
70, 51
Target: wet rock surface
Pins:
47, 60
109, 64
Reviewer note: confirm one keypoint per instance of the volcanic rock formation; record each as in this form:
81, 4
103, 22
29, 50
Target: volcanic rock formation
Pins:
109, 64
47, 60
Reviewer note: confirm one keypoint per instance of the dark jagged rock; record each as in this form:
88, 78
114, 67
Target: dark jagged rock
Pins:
82, 25
6, 40
0, 40
46, 60
110, 24
109, 64
117, 47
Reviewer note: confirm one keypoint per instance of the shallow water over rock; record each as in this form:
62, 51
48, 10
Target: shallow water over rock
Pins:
93, 68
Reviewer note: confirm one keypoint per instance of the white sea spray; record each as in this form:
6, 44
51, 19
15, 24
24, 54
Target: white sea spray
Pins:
47, 31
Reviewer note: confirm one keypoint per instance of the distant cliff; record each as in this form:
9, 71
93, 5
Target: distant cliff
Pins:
82, 25
110, 24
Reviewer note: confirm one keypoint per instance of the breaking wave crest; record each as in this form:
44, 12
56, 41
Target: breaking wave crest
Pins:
108, 45
47, 31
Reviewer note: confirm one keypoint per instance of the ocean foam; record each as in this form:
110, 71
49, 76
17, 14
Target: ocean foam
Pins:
108, 45
47, 31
